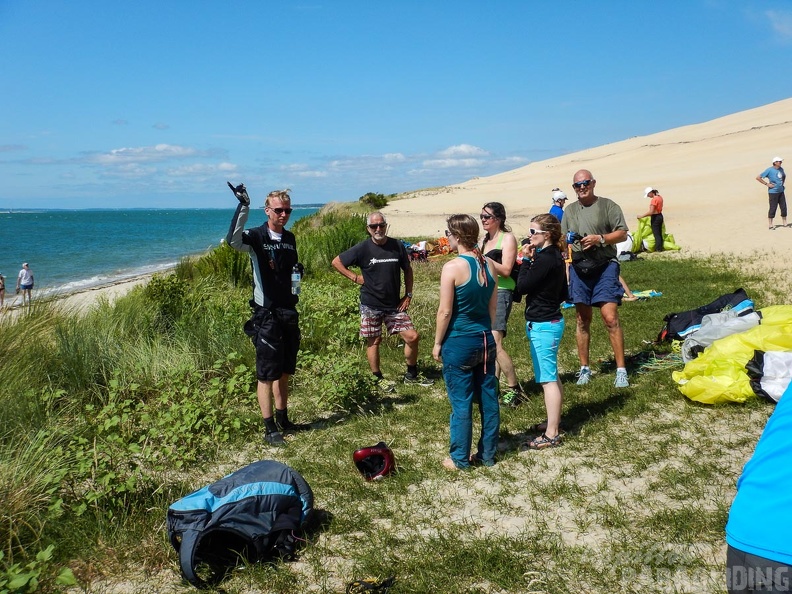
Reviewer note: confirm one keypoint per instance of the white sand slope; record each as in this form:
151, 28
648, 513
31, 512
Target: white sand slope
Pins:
705, 173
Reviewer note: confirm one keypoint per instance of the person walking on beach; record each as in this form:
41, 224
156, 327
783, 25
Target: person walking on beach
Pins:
656, 213
543, 281
382, 260
464, 343
25, 283
2, 291
559, 200
593, 226
273, 327
500, 245
775, 177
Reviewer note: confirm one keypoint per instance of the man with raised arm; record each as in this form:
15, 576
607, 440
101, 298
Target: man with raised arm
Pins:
273, 327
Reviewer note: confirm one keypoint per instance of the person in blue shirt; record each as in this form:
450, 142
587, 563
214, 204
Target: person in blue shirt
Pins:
559, 200
774, 177
759, 555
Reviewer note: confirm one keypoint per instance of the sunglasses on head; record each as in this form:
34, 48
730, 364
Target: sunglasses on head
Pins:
535, 231
278, 211
582, 184
377, 225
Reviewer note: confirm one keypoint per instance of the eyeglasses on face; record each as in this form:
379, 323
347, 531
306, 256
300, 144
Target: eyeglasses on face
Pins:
535, 231
582, 184
279, 211
486, 217
448, 233
373, 226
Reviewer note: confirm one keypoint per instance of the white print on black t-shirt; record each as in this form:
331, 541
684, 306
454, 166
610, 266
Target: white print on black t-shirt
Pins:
376, 261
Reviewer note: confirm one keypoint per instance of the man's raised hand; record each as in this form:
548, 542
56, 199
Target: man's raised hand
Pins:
241, 193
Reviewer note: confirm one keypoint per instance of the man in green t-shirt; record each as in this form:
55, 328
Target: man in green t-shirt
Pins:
593, 226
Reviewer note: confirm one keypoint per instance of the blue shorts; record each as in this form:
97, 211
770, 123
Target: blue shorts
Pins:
544, 338
26, 287
505, 299
604, 288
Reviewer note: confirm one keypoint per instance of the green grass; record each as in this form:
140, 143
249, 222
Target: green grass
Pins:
107, 418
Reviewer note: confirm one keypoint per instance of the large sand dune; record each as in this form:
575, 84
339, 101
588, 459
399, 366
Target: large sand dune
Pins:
705, 172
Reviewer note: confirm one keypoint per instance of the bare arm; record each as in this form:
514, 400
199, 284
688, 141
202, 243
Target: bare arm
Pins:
493, 302
762, 181
445, 307
508, 256
338, 265
408, 288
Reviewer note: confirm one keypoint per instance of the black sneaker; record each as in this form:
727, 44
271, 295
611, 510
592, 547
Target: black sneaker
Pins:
274, 438
418, 379
290, 427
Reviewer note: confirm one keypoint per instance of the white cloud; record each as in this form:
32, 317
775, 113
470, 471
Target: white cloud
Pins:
312, 174
200, 169
781, 23
463, 150
145, 154
449, 163
394, 158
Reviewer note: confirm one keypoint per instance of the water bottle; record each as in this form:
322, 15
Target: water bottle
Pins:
296, 278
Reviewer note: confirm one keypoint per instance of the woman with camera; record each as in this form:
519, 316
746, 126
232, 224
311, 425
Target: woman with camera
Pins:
543, 281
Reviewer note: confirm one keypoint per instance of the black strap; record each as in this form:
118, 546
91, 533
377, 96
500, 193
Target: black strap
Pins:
189, 543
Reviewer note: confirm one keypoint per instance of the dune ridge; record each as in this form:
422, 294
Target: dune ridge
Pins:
705, 172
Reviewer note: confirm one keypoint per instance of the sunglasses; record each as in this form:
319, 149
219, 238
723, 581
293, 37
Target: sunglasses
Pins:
279, 211
377, 225
535, 231
448, 233
582, 184
486, 217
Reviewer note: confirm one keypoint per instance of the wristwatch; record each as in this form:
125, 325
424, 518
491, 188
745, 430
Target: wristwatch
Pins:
602, 240
409, 295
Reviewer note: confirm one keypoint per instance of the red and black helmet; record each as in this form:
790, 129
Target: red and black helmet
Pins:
374, 462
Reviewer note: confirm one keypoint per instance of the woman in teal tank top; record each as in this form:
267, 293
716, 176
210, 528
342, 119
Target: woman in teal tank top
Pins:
466, 347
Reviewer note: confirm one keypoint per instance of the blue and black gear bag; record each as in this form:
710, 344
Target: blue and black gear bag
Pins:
677, 326
253, 514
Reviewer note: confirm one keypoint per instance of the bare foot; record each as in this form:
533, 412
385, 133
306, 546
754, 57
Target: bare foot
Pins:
633, 298
448, 464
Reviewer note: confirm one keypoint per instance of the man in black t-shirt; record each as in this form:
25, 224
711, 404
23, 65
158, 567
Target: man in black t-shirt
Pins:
382, 260
273, 327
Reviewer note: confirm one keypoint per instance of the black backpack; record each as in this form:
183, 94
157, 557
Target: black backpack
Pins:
250, 515
677, 326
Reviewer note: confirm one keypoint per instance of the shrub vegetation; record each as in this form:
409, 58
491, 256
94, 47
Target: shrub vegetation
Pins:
108, 417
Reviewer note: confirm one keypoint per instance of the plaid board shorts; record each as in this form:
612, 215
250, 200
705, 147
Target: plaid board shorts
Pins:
371, 321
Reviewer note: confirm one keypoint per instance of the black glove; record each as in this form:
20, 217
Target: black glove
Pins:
241, 193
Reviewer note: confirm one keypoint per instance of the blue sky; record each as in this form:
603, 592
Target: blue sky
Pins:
157, 104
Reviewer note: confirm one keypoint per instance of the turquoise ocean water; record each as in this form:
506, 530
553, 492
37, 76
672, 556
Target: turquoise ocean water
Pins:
73, 250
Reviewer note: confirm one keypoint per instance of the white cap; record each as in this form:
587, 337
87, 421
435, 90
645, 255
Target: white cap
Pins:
648, 189
559, 195
777, 159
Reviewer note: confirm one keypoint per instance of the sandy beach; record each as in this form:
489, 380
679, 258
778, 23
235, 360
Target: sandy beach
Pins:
81, 300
